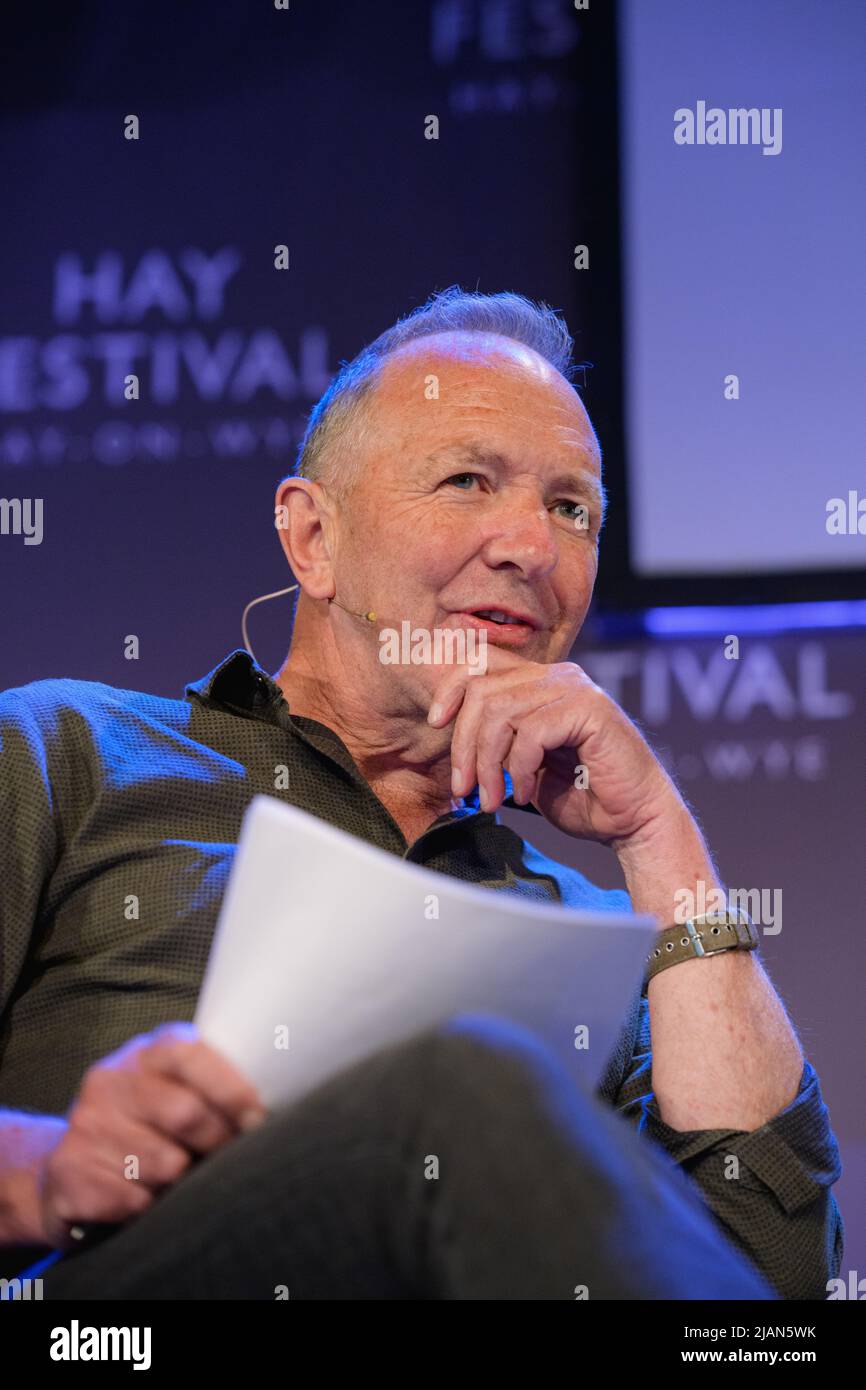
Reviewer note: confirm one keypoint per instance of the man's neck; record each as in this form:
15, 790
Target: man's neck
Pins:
406, 763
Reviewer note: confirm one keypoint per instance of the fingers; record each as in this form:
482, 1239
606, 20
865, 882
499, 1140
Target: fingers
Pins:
551, 727
224, 1093
485, 741
459, 679
78, 1185
468, 699
182, 1113
141, 1117
107, 1173
113, 1104
100, 1201
484, 733
489, 710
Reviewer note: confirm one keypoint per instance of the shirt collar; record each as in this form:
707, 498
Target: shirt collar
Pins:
240, 684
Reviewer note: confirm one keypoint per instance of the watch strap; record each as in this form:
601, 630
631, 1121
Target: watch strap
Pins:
706, 935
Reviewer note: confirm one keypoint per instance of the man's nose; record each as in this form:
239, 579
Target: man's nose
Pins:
522, 534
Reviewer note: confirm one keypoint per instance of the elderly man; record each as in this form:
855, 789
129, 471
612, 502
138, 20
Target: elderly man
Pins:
450, 477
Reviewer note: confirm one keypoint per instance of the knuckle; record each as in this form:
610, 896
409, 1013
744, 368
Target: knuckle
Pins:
67, 1209
529, 726
179, 1114
106, 1202
498, 703
476, 692
138, 1198
233, 1097
170, 1164
159, 1162
76, 1199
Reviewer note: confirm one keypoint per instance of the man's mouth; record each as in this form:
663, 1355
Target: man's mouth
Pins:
495, 615
508, 616
501, 622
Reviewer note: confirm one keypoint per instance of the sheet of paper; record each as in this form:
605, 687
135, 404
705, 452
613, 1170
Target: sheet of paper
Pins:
327, 949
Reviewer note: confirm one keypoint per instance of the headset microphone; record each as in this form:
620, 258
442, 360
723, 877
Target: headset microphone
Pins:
252, 603
369, 617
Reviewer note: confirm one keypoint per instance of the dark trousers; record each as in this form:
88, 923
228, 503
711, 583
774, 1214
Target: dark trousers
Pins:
463, 1164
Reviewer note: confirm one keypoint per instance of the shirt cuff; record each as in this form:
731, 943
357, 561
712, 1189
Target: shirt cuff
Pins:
795, 1153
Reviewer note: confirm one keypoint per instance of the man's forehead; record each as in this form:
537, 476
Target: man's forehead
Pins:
479, 418
465, 371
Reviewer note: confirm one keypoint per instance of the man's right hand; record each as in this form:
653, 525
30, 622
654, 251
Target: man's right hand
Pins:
141, 1117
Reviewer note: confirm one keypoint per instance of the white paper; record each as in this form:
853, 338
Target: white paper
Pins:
331, 943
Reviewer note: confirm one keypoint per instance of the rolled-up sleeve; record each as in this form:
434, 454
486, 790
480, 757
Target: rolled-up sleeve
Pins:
770, 1188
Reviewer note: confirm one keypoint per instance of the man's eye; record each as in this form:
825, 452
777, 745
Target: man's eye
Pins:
579, 512
461, 477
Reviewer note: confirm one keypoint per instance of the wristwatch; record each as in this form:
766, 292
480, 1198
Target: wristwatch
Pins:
701, 936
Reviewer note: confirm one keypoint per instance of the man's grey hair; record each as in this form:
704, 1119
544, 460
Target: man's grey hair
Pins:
331, 449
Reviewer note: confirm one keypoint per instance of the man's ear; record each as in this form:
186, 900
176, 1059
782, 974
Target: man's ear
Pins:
305, 525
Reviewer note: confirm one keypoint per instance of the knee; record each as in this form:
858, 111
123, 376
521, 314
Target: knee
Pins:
498, 1041
471, 1066
488, 1056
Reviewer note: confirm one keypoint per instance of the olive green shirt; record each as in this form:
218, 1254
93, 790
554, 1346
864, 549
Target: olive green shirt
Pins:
119, 817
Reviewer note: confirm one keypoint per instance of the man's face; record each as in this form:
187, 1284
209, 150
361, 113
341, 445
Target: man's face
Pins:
474, 494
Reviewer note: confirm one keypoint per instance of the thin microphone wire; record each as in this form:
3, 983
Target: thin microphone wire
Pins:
252, 603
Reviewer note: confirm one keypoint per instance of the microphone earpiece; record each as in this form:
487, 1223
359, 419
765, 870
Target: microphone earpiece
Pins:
369, 617
252, 603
